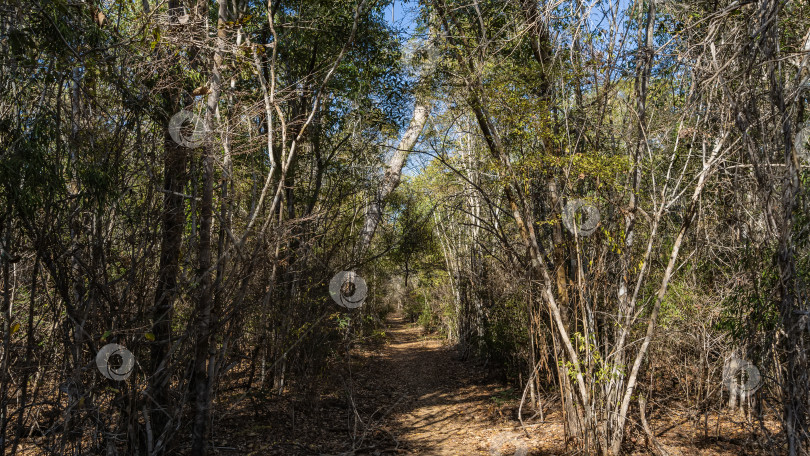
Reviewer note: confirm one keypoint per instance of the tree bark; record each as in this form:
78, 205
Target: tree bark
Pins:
392, 177
172, 219
205, 300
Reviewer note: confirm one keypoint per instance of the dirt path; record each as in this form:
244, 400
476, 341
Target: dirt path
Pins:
414, 396
439, 405
411, 395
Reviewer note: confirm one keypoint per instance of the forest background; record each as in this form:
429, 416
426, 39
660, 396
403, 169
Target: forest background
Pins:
604, 201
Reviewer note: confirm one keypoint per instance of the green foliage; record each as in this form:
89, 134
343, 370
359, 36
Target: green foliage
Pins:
600, 371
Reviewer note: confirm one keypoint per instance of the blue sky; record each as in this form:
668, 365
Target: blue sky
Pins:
403, 15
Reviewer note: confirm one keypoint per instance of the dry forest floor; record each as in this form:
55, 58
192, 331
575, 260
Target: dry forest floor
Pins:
412, 395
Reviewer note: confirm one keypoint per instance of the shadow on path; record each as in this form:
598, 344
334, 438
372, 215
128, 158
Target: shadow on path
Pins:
430, 403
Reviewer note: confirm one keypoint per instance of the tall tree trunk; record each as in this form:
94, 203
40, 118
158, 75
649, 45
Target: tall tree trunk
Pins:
392, 177
173, 220
643, 69
205, 299
795, 390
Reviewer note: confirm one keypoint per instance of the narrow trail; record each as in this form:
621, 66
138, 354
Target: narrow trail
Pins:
418, 393
413, 395
435, 404
410, 395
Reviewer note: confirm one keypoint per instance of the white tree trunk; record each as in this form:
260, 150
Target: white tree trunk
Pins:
392, 177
